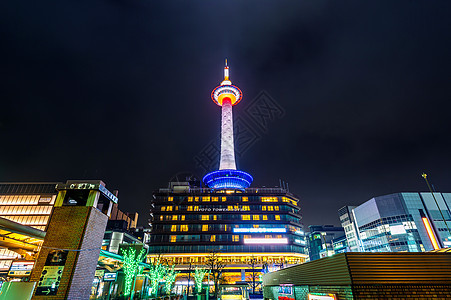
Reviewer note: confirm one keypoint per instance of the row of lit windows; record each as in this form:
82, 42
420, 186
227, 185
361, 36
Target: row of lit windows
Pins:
221, 217
204, 227
232, 259
227, 208
26, 199
29, 220
26, 210
184, 248
8, 254
243, 199
214, 238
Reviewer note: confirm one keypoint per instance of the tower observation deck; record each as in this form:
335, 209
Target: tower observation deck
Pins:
227, 95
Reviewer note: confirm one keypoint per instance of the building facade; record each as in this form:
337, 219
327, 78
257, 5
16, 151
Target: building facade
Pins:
29, 204
349, 226
412, 222
240, 225
320, 240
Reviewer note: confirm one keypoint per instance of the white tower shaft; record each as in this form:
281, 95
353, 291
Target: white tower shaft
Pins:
227, 161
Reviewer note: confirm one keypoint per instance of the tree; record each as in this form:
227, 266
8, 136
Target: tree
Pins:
156, 274
130, 267
216, 266
170, 278
199, 275
252, 262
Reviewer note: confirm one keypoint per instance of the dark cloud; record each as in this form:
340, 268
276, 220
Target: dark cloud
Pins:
119, 90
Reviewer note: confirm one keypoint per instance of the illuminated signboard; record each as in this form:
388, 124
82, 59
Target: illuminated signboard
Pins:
109, 277
266, 241
21, 268
286, 289
321, 297
259, 230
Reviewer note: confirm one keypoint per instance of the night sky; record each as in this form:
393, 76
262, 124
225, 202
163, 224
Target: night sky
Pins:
359, 94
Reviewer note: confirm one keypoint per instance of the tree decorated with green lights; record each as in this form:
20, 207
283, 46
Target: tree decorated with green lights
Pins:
156, 274
131, 266
170, 279
199, 275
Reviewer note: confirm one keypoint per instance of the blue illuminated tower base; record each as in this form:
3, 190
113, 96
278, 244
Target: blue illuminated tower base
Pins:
228, 179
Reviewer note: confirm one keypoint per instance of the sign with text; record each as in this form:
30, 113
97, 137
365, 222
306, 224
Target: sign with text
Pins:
21, 268
51, 273
321, 297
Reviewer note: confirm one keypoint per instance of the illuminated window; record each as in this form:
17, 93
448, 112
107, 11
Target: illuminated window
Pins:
183, 227
279, 236
196, 208
174, 228
174, 218
205, 217
268, 236
204, 227
277, 217
256, 217
265, 217
247, 236
205, 199
285, 199
182, 217
264, 207
190, 199
245, 217
225, 227
161, 218
173, 238
230, 208
215, 217
163, 208
170, 198
214, 199
269, 199
213, 238
236, 238
245, 199
169, 208
224, 199
276, 207
270, 208
245, 207
196, 199
189, 208
256, 226
176, 207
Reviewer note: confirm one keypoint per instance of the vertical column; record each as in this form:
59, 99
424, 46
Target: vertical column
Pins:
227, 161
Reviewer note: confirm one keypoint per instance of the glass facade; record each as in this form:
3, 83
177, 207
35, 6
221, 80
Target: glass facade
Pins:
396, 222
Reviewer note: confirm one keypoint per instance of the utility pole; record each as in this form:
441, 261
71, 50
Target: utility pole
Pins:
424, 175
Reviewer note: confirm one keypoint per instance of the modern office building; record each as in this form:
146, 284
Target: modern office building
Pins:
320, 240
241, 224
412, 222
349, 226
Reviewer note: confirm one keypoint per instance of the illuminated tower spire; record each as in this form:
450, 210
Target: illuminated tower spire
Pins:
227, 95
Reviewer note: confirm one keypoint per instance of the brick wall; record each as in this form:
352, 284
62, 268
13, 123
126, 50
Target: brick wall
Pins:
85, 268
66, 230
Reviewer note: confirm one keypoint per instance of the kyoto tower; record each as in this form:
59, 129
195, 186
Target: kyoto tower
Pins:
227, 95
